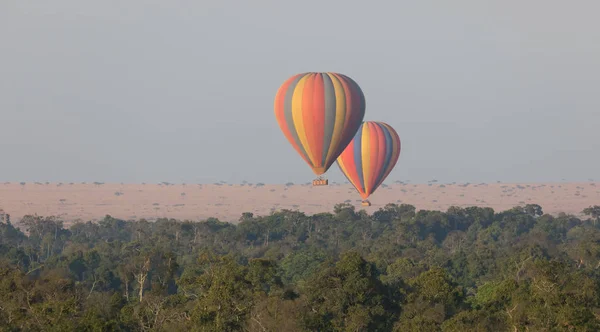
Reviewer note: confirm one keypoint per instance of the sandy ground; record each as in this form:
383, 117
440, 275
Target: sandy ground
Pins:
227, 201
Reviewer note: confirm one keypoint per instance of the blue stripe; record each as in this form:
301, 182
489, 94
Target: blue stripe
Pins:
289, 118
330, 115
358, 156
389, 145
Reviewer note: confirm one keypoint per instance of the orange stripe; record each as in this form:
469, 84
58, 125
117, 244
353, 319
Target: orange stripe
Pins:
350, 105
373, 156
347, 158
355, 105
379, 156
365, 157
345, 169
382, 151
280, 102
348, 102
280, 115
317, 126
307, 116
396, 148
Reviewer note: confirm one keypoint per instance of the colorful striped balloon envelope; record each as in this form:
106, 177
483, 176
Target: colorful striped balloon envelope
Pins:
370, 156
319, 113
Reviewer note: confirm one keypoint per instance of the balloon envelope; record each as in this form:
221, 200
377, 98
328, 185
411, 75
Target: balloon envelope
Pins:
319, 113
370, 156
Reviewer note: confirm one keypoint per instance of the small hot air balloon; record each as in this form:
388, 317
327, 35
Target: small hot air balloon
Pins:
319, 113
370, 157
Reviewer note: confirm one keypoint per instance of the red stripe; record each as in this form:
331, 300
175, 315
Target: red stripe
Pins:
280, 115
347, 134
382, 153
348, 159
357, 103
307, 113
378, 155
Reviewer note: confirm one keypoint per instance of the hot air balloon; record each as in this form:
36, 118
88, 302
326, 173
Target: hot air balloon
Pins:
319, 113
370, 157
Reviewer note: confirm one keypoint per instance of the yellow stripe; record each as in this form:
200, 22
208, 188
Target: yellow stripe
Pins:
345, 171
298, 118
366, 157
340, 116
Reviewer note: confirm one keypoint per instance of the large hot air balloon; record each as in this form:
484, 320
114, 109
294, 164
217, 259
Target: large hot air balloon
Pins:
319, 113
370, 157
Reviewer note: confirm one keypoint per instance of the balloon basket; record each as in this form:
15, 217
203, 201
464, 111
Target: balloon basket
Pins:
320, 182
365, 203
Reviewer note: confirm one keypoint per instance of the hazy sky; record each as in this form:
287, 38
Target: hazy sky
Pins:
182, 91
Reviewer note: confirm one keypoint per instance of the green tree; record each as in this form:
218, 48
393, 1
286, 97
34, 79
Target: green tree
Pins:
347, 296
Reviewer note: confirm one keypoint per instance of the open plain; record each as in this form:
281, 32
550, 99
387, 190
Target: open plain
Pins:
78, 201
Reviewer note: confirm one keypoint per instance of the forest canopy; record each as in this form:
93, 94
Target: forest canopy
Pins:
398, 269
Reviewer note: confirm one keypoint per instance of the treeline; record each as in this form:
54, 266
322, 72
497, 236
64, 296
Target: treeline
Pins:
398, 269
